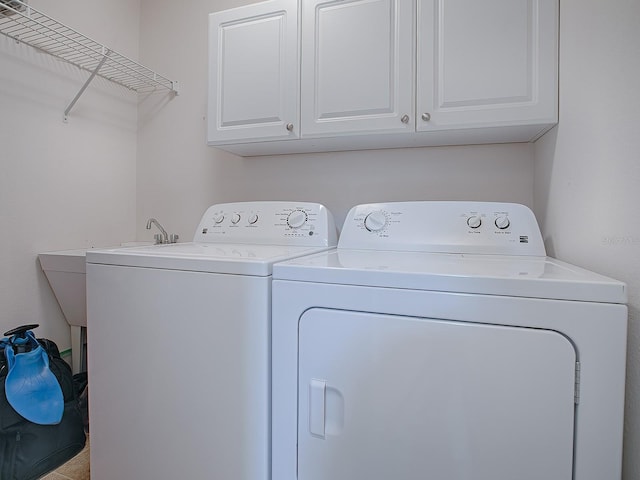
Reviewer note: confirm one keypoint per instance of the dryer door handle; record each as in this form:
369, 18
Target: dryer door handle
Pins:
317, 407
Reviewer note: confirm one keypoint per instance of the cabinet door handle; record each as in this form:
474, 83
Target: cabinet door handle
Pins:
290, 127
405, 119
426, 117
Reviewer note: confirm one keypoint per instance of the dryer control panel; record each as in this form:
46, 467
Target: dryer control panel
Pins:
268, 223
444, 227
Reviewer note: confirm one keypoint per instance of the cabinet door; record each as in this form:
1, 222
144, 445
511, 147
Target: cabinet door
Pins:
389, 397
486, 64
357, 64
253, 73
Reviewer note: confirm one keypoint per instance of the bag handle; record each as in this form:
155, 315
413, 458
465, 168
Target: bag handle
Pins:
21, 330
20, 340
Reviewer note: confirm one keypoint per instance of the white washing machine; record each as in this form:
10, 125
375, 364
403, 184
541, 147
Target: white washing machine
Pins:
179, 342
438, 341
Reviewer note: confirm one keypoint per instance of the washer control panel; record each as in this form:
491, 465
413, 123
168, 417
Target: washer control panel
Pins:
269, 223
444, 227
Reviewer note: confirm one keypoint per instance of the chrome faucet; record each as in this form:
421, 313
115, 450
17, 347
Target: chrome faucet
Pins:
162, 237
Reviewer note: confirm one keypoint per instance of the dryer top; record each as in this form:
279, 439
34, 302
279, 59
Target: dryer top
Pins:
516, 276
462, 247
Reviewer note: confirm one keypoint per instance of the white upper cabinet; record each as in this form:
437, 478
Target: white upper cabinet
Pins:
291, 76
491, 64
253, 73
357, 66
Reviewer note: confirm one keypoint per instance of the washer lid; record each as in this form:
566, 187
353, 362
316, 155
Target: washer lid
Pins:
239, 259
520, 276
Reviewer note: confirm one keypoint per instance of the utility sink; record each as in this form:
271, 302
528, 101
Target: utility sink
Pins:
66, 272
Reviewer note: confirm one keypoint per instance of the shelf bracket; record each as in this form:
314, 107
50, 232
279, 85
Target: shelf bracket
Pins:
105, 55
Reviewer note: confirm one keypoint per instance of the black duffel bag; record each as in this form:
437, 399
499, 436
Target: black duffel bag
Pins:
29, 450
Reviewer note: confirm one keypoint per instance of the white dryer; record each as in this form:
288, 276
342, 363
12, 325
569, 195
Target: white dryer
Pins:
179, 342
438, 341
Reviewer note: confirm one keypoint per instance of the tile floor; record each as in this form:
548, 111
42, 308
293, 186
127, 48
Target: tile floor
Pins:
75, 469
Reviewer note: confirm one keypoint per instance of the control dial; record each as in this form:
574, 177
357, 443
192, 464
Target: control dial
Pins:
474, 221
502, 222
375, 221
235, 218
296, 219
218, 218
253, 219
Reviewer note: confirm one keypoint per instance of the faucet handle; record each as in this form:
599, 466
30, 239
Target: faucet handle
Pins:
158, 238
173, 238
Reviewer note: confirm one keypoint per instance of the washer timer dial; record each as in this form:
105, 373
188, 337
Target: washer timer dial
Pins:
474, 221
502, 222
375, 221
296, 219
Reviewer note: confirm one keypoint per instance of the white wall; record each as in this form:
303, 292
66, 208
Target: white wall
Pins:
62, 185
587, 174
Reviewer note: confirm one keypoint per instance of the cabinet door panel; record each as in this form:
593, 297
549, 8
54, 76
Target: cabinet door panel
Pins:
489, 63
357, 63
253, 74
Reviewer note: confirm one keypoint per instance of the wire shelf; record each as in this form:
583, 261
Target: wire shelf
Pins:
27, 25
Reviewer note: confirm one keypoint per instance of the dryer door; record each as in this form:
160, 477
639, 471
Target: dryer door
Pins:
389, 397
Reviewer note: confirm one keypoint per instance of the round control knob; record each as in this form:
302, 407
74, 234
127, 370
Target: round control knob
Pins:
296, 219
235, 218
253, 219
218, 218
375, 221
474, 221
502, 222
